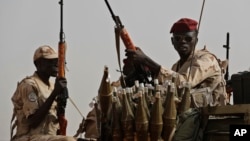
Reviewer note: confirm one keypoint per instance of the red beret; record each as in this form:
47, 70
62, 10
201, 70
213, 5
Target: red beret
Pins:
184, 25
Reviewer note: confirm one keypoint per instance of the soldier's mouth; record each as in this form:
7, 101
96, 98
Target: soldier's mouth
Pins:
183, 48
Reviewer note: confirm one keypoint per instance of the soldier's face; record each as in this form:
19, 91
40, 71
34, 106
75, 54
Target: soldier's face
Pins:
184, 43
48, 67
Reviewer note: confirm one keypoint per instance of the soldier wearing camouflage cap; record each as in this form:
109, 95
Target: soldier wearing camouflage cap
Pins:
35, 107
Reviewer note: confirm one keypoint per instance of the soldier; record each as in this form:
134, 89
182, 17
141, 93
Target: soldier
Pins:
199, 67
35, 106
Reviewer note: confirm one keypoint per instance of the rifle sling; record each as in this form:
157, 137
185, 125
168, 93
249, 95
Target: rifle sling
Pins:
117, 39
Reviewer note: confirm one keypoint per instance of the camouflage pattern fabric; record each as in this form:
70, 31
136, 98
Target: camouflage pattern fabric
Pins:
205, 71
30, 94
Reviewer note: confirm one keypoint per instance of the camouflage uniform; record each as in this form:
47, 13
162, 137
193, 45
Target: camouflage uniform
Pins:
205, 71
30, 94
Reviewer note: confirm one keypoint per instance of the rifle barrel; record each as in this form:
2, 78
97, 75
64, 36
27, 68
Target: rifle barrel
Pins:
61, 46
227, 55
115, 18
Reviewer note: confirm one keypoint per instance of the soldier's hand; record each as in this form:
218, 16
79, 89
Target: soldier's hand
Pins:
140, 59
61, 92
60, 85
128, 66
137, 55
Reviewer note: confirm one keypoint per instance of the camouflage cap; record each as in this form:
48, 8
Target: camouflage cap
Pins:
45, 52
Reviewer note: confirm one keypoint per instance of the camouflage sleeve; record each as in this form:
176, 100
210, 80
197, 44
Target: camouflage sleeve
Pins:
202, 68
29, 96
164, 74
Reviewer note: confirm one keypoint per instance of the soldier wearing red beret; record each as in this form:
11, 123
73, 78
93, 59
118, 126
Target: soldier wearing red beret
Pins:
199, 67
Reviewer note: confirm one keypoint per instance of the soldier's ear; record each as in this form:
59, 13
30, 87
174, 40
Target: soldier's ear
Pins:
36, 63
196, 40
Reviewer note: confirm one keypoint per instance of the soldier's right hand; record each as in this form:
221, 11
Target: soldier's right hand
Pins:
60, 85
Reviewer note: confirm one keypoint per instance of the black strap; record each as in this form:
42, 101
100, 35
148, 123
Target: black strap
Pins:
117, 39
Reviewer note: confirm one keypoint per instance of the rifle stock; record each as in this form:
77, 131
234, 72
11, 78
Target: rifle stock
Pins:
126, 39
61, 101
61, 59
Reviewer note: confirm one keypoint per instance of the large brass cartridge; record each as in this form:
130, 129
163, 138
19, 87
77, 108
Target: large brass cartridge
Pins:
168, 92
144, 102
147, 97
141, 119
186, 101
156, 122
169, 115
116, 119
136, 86
129, 94
105, 98
105, 95
127, 119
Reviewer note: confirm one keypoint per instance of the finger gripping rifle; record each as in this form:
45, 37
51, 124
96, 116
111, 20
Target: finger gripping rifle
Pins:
62, 98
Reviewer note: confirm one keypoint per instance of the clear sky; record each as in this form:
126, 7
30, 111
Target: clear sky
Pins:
89, 30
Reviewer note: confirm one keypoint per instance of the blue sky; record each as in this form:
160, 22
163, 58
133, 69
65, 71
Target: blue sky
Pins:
89, 30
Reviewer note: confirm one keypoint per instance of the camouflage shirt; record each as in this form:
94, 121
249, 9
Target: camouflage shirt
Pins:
30, 94
203, 71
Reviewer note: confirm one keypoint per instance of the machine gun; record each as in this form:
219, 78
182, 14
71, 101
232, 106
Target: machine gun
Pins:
137, 71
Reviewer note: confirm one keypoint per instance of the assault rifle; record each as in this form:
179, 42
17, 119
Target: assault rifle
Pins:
140, 72
61, 98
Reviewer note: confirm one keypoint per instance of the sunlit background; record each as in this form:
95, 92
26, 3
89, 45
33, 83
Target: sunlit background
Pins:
89, 29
